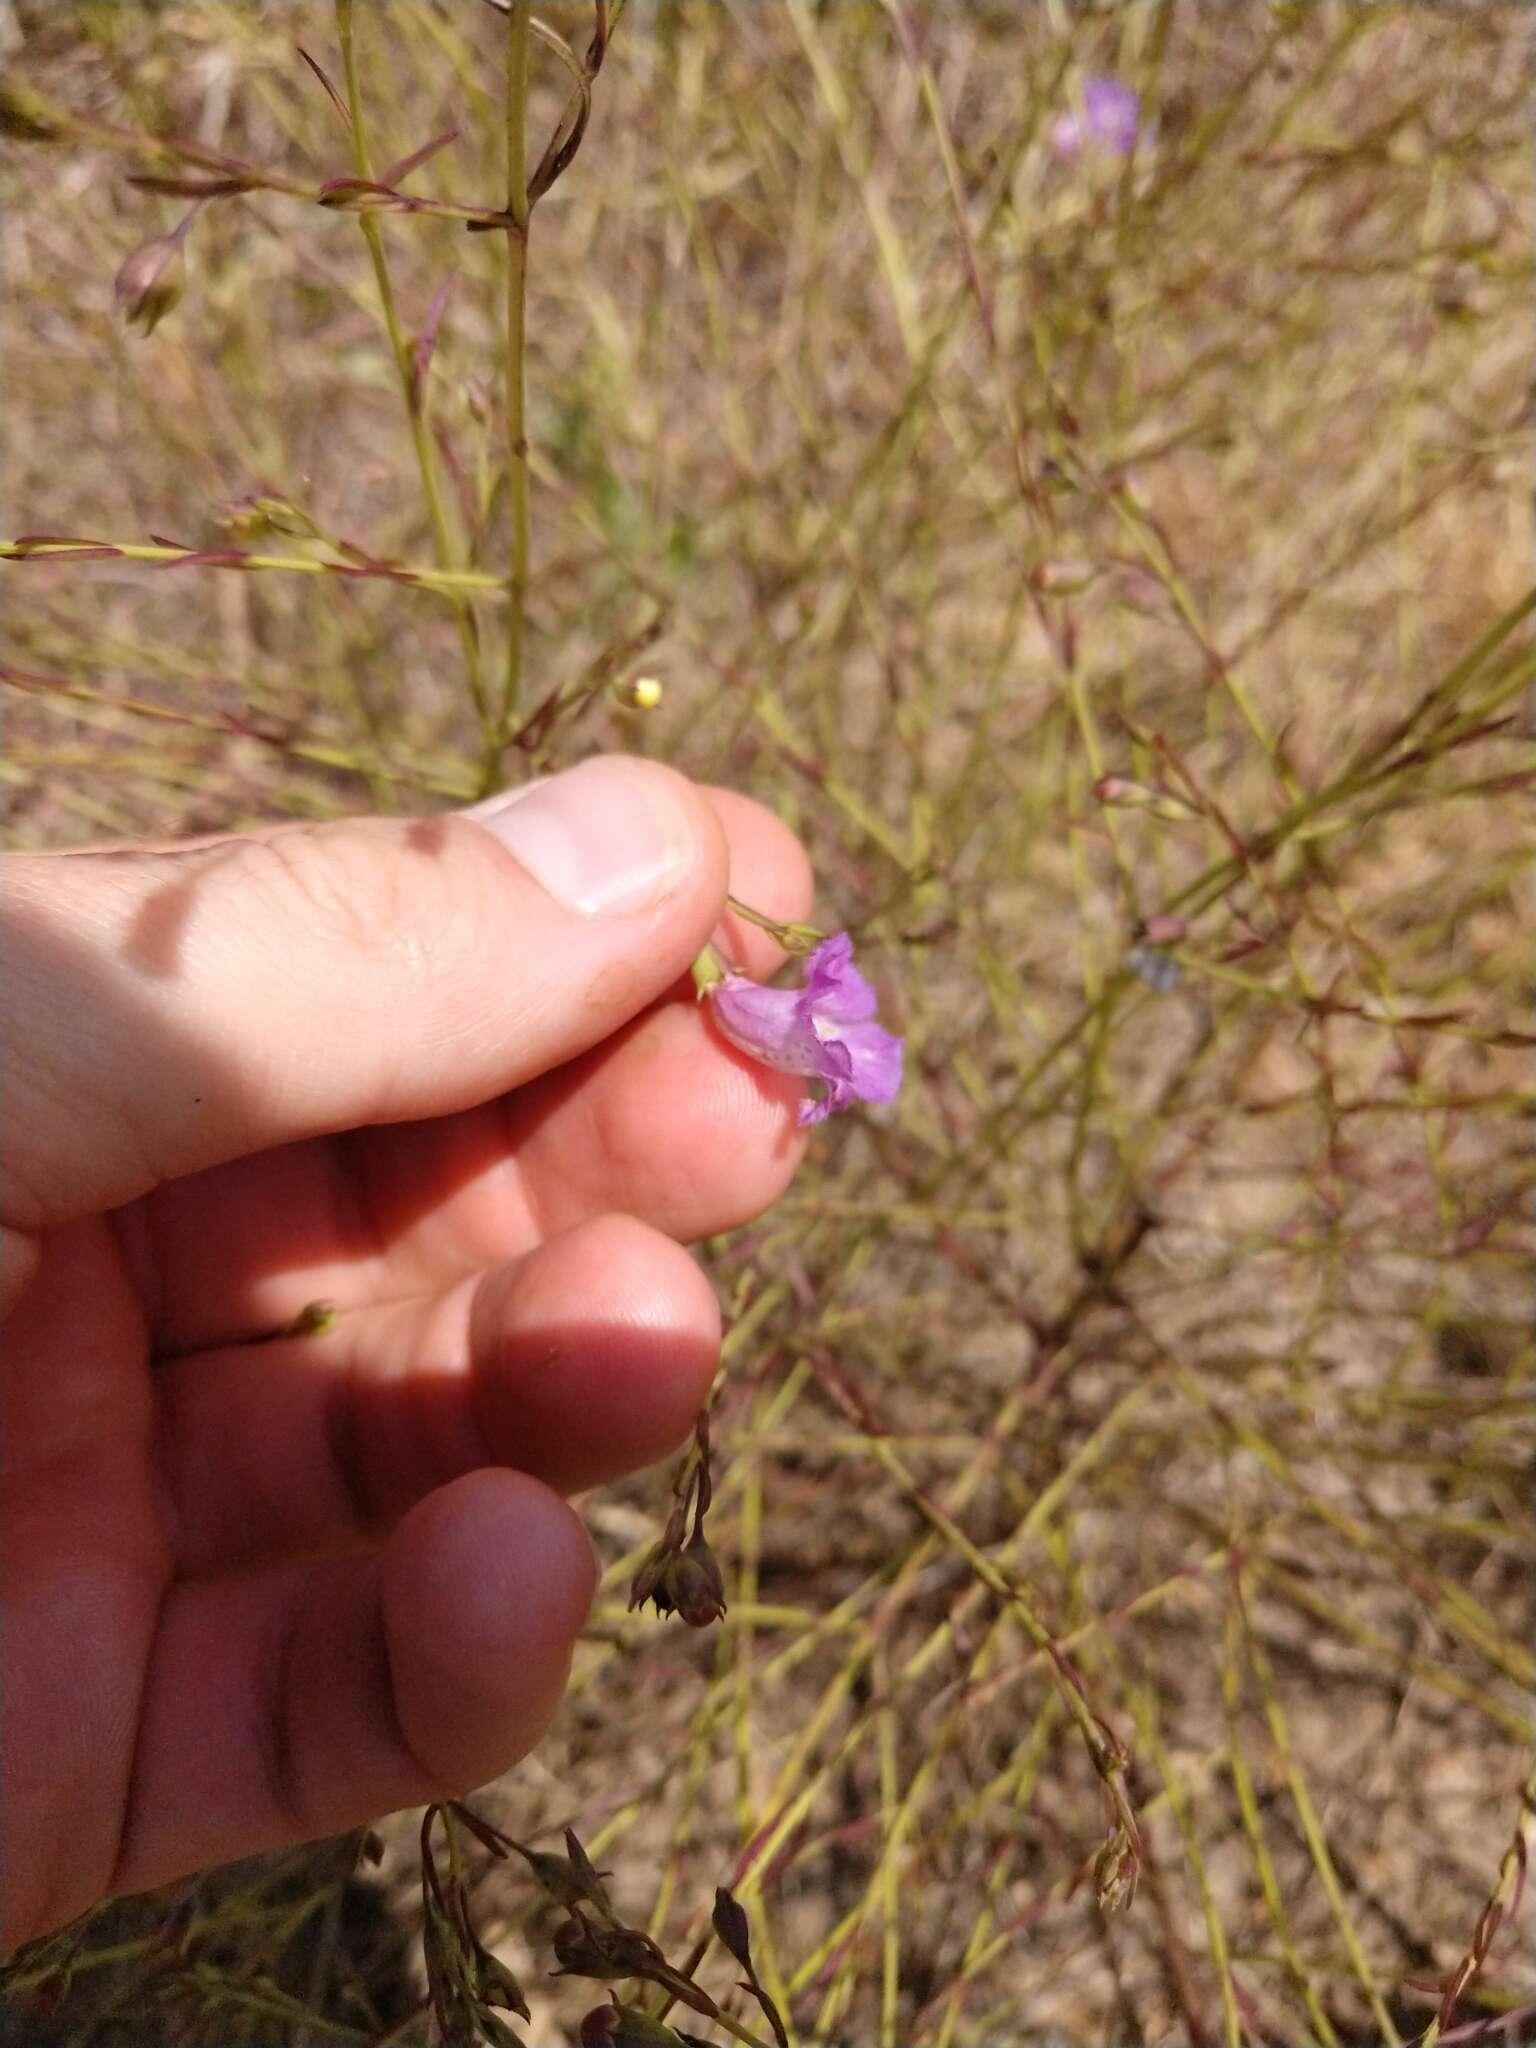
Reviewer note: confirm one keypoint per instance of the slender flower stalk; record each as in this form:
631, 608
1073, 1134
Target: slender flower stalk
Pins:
519, 16
415, 408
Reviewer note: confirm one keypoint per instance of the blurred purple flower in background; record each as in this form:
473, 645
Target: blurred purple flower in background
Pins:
825, 1030
1109, 118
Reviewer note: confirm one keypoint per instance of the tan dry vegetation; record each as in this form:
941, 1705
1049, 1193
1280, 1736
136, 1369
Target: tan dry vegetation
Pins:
1202, 1314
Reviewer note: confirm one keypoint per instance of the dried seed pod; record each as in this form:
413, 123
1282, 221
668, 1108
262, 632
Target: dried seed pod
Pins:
496, 1984
730, 1924
694, 1586
572, 1884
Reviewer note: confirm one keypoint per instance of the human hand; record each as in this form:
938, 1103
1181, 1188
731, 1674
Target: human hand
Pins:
264, 1587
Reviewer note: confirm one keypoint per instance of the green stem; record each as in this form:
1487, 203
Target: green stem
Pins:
723, 2019
421, 440
794, 938
445, 581
518, 21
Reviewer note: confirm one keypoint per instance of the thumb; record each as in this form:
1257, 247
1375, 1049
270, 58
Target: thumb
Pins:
169, 1010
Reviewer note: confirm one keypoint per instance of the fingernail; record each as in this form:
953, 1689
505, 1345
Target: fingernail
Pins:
607, 836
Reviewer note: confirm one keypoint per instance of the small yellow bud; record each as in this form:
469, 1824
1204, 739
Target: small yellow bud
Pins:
259, 512
246, 518
639, 693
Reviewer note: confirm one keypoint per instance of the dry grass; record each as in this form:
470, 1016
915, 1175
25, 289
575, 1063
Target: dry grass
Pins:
1190, 1325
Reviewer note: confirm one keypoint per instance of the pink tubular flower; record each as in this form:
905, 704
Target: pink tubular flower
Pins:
826, 1030
1110, 118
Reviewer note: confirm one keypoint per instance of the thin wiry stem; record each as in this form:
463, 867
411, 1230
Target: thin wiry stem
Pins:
518, 21
415, 408
59, 547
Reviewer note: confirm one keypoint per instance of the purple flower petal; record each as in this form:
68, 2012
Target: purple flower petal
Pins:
835, 1068
835, 986
1112, 112
1110, 119
876, 1058
769, 1023
841, 1089
825, 1031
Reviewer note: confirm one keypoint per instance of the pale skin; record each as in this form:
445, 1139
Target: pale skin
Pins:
263, 1588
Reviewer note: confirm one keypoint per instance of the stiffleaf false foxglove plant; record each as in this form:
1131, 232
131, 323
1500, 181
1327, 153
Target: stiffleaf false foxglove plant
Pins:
825, 1030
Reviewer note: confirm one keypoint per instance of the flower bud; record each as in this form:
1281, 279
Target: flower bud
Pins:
639, 693
247, 517
1062, 579
150, 283
1137, 796
569, 1880
282, 517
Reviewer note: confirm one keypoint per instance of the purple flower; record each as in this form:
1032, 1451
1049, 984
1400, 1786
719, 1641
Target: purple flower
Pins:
826, 1030
1108, 119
